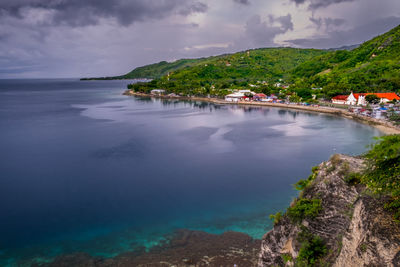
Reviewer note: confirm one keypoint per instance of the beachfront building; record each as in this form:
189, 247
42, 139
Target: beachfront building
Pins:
157, 91
340, 99
239, 95
234, 97
259, 97
360, 99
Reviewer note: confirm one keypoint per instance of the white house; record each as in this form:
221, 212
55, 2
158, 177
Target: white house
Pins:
235, 97
157, 91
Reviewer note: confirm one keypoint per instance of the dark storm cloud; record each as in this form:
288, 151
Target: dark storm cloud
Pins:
262, 33
356, 35
315, 4
243, 2
88, 12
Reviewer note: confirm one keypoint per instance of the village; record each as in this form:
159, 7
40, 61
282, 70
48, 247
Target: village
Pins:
381, 106
374, 105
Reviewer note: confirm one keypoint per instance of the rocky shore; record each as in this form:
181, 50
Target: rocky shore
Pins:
384, 126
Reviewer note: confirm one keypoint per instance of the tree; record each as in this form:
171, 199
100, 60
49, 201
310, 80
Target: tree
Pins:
304, 93
372, 99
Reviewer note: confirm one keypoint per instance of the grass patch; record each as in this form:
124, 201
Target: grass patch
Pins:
304, 208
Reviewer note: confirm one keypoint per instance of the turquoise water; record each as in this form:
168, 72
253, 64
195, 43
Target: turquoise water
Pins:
87, 169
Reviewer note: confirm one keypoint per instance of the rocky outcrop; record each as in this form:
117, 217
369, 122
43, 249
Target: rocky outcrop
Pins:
355, 228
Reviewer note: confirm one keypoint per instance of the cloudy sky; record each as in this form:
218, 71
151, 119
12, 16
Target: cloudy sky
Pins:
81, 38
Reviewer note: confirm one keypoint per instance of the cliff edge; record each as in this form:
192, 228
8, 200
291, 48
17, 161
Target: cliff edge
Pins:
335, 221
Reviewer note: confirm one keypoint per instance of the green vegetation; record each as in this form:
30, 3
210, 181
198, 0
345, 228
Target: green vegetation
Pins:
304, 208
335, 161
216, 75
302, 184
312, 249
373, 66
287, 258
160, 69
394, 117
363, 247
344, 169
383, 170
276, 217
372, 99
353, 178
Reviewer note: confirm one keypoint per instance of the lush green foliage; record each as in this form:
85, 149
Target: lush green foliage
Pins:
372, 99
353, 178
372, 67
304, 208
215, 75
312, 249
302, 184
383, 170
287, 258
160, 69
276, 217
395, 118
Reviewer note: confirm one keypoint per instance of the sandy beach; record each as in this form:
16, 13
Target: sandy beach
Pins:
384, 126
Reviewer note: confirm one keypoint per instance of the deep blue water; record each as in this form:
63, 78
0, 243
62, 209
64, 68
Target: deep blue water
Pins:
83, 168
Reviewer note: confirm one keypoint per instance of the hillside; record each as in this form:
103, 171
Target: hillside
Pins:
215, 74
373, 66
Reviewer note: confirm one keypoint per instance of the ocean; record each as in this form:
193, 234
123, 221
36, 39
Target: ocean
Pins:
85, 169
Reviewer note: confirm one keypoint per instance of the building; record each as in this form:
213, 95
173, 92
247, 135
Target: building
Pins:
234, 97
240, 95
157, 91
259, 97
340, 99
360, 99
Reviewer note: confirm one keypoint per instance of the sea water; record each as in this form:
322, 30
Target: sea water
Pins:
85, 169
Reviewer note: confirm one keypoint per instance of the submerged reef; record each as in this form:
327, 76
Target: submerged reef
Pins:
183, 248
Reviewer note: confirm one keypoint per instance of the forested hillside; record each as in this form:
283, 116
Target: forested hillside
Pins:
239, 70
374, 66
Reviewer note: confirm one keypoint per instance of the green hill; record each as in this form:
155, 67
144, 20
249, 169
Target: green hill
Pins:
373, 66
214, 74
160, 69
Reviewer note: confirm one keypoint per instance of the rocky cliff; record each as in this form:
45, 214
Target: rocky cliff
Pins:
334, 222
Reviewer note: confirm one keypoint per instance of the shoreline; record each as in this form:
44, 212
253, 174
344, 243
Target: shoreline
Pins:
384, 126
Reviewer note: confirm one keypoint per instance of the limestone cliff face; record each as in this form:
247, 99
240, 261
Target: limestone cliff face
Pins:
357, 231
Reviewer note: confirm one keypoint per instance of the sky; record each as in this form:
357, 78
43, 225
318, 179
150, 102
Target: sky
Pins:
92, 38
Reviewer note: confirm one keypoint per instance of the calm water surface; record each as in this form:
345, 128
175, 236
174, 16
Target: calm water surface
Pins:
83, 168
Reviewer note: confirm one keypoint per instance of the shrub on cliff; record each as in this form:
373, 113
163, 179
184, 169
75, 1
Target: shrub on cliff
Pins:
312, 249
302, 184
383, 170
304, 208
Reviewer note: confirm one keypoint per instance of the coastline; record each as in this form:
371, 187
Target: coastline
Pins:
384, 126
